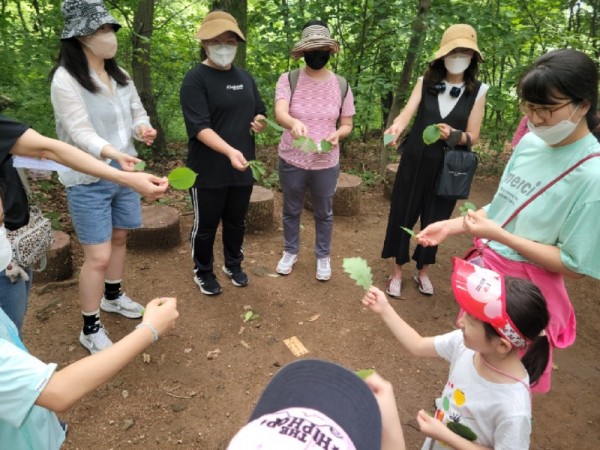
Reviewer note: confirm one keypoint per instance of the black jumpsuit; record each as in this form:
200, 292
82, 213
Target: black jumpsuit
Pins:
414, 193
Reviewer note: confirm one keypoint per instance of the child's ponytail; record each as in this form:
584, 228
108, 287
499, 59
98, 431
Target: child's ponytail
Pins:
536, 358
526, 307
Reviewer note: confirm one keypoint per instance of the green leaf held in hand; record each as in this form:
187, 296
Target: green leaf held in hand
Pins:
466, 207
140, 167
325, 146
359, 271
431, 134
388, 139
364, 373
409, 231
272, 124
182, 178
305, 144
258, 169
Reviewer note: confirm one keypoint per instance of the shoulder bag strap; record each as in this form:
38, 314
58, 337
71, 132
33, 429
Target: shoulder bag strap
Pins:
545, 188
293, 76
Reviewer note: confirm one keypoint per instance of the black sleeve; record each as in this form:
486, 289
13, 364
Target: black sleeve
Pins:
194, 104
10, 132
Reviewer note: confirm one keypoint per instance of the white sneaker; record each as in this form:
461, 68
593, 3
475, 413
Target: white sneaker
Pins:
95, 342
394, 287
323, 269
424, 284
122, 305
285, 264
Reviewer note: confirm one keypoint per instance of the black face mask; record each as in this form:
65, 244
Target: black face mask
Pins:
317, 58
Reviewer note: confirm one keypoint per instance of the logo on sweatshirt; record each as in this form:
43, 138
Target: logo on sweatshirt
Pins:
235, 87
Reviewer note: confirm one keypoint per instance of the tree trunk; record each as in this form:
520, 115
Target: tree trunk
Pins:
239, 10
141, 43
403, 88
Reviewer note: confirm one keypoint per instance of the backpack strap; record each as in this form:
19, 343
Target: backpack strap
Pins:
293, 76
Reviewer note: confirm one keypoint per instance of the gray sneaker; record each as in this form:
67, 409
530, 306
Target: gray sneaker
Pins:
285, 264
95, 342
124, 306
323, 269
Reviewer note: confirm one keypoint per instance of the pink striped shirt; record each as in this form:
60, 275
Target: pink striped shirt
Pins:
317, 104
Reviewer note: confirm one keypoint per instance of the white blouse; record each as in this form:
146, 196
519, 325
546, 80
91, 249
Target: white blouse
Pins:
91, 121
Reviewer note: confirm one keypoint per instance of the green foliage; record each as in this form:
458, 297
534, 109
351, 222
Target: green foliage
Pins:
258, 169
466, 207
363, 374
54, 217
369, 178
410, 232
374, 46
359, 271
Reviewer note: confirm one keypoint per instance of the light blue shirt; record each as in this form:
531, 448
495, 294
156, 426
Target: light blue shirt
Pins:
567, 215
24, 425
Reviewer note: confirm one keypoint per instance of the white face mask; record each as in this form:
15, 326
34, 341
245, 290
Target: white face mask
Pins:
104, 44
457, 63
5, 249
554, 134
221, 54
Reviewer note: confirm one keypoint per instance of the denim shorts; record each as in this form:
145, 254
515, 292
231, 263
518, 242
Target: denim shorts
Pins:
99, 207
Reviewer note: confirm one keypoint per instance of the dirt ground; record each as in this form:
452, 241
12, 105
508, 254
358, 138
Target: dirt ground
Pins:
180, 398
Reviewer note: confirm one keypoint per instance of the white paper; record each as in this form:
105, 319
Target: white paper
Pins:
38, 164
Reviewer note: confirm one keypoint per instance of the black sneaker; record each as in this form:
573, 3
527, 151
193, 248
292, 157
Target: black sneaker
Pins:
237, 275
209, 285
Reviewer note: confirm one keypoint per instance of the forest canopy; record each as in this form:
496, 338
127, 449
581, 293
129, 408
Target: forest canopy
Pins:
385, 46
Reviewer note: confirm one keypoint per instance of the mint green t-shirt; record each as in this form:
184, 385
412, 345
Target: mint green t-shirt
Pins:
566, 215
23, 424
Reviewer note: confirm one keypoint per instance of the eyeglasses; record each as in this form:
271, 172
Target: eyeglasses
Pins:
543, 112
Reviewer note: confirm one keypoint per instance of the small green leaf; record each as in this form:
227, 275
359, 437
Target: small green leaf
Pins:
258, 169
462, 430
325, 146
273, 124
465, 207
364, 373
248, 315
431, 134
359, 271
182, 178
409, 231
387, 139
140, 167
305, 144
254, 317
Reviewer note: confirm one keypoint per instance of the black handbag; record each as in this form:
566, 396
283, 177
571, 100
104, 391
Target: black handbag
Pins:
458, 170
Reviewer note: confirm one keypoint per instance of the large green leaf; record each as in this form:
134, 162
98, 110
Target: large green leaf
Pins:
258, 169
182, 178
359, 271
431, 134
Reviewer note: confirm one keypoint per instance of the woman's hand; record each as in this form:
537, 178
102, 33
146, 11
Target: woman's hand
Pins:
149, 186
334, 138
394, 130
258, 124
238, 161
298, 129
375, 300
445, 130
482, 227
433, 234
146, 134
161, 313
127, 162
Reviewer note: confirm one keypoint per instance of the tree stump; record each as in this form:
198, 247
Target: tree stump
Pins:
260, 210
59, 258
160, 229
388, 182
346, 200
